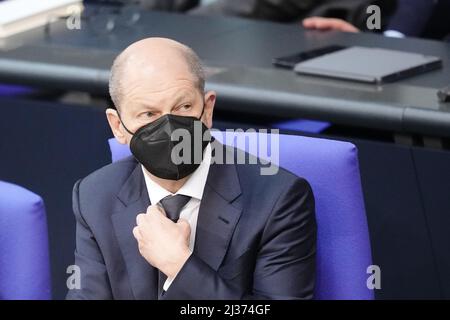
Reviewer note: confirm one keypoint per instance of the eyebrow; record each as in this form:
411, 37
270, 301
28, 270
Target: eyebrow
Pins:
181, 98
149, 107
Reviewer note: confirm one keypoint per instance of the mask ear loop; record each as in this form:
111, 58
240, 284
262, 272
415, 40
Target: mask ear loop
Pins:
201, 114
123, 124
200, 118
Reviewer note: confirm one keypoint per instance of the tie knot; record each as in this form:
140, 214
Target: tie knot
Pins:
173, 204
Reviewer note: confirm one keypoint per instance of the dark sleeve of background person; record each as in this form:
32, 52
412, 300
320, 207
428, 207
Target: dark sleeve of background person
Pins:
353, 11
438, 26
274, 10
163, 5
411, 16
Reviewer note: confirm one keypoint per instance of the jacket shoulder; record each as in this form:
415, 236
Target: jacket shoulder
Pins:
105, 182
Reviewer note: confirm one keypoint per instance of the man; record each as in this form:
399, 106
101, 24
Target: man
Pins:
148, 228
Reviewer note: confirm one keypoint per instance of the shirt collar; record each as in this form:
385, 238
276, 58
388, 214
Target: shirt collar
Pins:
193, 187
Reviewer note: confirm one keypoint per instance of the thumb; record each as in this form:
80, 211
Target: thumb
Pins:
156, 209
185, 227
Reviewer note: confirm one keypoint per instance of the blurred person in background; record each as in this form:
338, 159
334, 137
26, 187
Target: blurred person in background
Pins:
400, 18
286, 11
289, 11
163, 5
411, 18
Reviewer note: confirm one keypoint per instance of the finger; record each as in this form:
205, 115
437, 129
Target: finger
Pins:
182, 222
141, 248
137, 233
334, 24
140, 218
316, 22
309, 22
161, 211
350, 28
342, 25
185, 226
156, 210
324, 23
151, 208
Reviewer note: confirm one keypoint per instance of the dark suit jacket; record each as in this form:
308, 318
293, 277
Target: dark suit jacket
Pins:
164, 5
412, 16
275, 10
353, 11
422, 18
256, 237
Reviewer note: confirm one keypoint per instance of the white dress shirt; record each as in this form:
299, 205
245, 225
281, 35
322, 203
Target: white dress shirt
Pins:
193, 188
393, 34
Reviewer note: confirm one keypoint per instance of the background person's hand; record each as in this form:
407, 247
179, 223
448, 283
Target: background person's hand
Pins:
163, 243
320, 23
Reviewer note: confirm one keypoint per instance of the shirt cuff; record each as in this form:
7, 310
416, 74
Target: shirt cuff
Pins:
393, 34
169, 281
167, 284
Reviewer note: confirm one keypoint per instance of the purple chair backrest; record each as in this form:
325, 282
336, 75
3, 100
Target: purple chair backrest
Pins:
24, 256
332, 169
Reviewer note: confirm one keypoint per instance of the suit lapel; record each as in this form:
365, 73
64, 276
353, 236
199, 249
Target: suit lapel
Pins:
217, 219
134, 199
218, 214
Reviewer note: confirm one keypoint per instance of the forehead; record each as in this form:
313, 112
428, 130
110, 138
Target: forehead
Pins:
147, 89
156, 79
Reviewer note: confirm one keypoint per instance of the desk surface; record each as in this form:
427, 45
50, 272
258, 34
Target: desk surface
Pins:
238, 53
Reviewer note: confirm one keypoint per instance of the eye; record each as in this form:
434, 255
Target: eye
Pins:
148, 114
185, 107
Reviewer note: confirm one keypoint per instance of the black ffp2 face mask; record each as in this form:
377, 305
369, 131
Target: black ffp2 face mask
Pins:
152, 145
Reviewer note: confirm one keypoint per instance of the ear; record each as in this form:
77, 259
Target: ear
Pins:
210, 101
116, 127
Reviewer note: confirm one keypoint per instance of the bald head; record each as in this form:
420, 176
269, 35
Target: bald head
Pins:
157, 62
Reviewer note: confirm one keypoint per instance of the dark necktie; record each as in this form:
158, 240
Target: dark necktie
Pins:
172, 206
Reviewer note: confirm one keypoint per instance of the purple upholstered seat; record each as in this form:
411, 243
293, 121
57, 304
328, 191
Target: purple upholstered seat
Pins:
332, 169
302, 125
7, 90
24, 257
